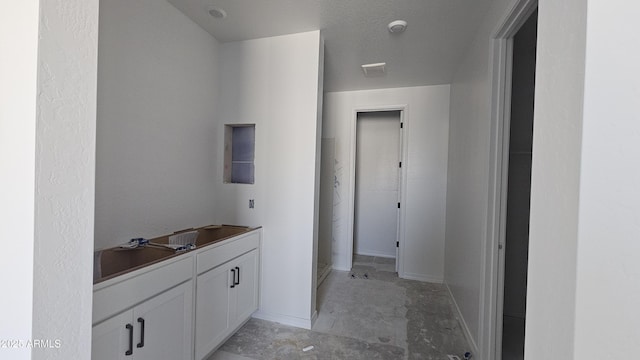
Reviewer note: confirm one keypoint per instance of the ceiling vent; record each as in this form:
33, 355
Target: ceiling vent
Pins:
373, 70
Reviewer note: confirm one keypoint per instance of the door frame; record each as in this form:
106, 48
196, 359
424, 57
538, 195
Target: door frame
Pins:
492, 287
403, 109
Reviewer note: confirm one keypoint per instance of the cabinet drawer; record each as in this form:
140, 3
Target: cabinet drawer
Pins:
218, 255
123, 295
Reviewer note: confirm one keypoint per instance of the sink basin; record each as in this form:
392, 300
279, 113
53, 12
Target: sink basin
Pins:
214, 233
109, 263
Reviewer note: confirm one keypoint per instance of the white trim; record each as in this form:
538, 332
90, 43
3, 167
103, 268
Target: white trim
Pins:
422, 277
490, 337
286, 319
404, 118
377, 254
465, 328
338, 268
324, 275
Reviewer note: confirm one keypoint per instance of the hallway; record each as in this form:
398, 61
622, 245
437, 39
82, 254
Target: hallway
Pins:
370, 315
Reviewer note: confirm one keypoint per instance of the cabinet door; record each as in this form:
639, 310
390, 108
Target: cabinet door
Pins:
163, 325
247, 290
212, 309
110, 339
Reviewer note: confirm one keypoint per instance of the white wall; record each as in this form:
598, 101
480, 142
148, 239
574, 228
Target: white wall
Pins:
65, 169
18, 89
468, 178
555, 180
583, 277
157, 134
607, 317
325, 230
273, 83
426, 134
47, 142
49, 175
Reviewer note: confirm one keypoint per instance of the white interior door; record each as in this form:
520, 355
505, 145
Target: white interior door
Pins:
377, 180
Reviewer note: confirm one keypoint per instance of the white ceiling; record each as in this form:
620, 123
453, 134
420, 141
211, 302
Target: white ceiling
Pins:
355, 33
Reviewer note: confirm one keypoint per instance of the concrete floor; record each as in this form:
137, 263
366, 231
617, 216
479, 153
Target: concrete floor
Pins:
368, 313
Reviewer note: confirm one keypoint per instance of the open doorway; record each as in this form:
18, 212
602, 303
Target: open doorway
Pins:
516, 191
516, 240
377, 187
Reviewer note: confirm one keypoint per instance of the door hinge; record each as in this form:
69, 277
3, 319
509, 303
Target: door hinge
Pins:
400, 164
401, 125
499, 246
398, 205
397, 243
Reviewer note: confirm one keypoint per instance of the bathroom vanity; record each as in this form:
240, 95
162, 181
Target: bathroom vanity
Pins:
153, 303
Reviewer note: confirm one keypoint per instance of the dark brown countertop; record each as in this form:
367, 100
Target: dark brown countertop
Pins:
112, 262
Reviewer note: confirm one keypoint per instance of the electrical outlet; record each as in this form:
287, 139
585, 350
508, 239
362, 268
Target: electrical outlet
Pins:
252, 203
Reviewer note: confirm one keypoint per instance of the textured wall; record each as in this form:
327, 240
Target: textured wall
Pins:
65, 168
156, 144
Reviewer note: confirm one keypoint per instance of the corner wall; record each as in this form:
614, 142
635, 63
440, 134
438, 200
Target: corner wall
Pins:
65, 178
607, 322
607, 290
156, 132
555, 180
426, 133
468, 177
274, 84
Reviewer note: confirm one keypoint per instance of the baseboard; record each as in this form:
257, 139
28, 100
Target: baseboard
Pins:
314, 317
339, 268
324, 275
237, 328
465, 328
423, 278
375, 254
287, 320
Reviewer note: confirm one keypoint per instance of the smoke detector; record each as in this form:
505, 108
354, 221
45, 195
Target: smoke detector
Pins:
397, 26
371, 70
217, 13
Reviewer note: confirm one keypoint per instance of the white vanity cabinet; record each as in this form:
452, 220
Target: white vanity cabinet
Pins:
110, 339
180, 308
226, 292
159, 328
148, 315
